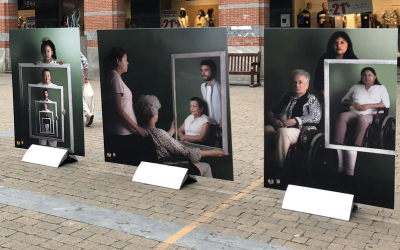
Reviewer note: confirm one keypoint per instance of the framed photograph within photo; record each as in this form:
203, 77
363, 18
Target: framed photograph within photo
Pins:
199, 98
42, 120
40, 95
46, 103
360, 112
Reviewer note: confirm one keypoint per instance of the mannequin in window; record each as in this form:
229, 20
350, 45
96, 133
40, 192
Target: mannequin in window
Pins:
200, 20
306, 14
183, 19
323, 16
373, 18
210, 18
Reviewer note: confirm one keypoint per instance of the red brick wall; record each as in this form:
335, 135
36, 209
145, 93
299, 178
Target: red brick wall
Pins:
8, 10
96, 22
254, 16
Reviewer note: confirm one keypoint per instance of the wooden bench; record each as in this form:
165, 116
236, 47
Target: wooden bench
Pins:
245, 64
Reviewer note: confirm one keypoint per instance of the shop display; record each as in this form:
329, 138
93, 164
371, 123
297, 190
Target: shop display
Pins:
200, 20
182, 110
323, 16
306, 20
210, 18
310, 139
183, 19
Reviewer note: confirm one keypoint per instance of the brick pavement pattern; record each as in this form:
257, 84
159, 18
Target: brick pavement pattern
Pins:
256, 216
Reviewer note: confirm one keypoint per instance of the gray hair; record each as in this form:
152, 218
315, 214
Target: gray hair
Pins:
301, 72
146, 107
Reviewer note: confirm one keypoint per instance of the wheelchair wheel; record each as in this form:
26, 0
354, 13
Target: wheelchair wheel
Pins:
322, 163
388, 133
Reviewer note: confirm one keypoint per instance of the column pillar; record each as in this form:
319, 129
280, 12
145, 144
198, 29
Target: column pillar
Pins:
8, 20
100, 14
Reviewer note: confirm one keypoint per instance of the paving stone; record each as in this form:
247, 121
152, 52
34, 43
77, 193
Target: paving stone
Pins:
51, 244
67, 239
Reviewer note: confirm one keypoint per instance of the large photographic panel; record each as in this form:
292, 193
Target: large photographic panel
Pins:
151, 54
308, 158
65, 129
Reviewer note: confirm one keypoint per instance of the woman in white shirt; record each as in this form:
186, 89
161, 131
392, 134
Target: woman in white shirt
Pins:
364, 99
197, 126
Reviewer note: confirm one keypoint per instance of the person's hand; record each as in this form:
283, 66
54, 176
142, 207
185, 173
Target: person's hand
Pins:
143, 132
60, 62
290, 122
323, 93
172, 128
36, 63
364, 107
280, 123
29, 111
356, 105
63, 112
183, 138
220, 125
57, 118
218, 153
86, 79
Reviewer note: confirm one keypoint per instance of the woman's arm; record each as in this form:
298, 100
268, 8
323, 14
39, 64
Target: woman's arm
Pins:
127, 119
181, 132
203, 134
372, 106
213, 153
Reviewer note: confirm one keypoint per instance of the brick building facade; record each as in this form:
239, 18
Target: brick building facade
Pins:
245, 21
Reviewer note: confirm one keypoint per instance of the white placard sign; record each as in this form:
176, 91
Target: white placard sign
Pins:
345, 7
160, 175
46, 156
319, 202
169, 19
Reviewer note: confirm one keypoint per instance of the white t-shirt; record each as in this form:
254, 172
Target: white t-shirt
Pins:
119, 87
43, 84
209, 90
375, 94
193, 127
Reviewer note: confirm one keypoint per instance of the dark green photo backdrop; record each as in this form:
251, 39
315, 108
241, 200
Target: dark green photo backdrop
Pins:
25, 48
290, 49
149, 72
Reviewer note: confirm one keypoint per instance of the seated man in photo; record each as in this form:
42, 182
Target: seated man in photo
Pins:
290, 114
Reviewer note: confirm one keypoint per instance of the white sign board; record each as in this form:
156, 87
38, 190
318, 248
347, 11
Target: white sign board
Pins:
345, 7
160, 175
169, 19
285, 20
46, 156
30, 22
319, 202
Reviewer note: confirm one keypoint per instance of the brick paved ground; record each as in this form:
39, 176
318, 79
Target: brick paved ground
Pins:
256, 216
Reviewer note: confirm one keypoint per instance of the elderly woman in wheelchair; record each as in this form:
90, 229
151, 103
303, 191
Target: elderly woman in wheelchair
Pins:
146, 109
290, 115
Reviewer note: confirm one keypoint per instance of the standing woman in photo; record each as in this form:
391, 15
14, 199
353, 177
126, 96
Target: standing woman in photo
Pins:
339, 47
120, 124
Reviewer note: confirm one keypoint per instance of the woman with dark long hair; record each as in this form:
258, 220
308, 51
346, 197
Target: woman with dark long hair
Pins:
339, 47
120, 123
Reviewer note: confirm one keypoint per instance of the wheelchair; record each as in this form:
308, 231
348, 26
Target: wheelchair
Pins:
309, 163
380, 134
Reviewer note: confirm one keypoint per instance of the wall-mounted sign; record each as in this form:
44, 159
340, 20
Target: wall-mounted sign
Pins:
345, 7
